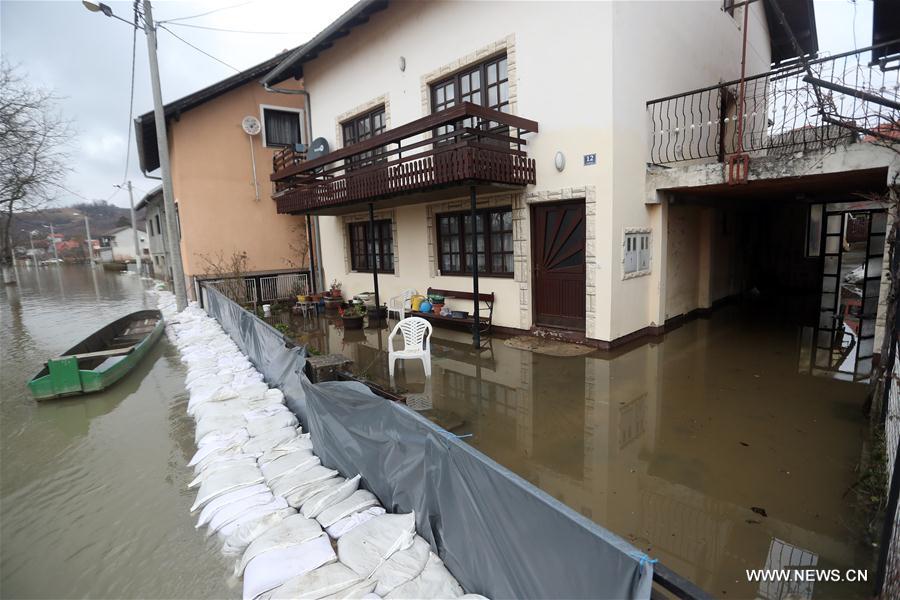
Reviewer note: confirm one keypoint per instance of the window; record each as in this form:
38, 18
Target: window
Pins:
485, 84
637, 252
361, 246
361, 128
158, 230
281, 127
494, 250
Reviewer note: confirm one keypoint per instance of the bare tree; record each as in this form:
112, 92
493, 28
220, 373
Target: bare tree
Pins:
33, 155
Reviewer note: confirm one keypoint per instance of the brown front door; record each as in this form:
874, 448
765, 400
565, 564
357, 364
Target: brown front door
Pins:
558, 234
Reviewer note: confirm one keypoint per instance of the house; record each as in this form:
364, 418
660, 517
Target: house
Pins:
155, 215
118, 244
598, 185
219, 175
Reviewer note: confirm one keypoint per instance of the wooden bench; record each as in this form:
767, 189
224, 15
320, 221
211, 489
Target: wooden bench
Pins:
485, 304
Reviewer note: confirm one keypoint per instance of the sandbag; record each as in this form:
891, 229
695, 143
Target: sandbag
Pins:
224, 438
239, 509
251, 514
435, 581
279, 420
318, 583
217, 425
316, 504
271, 569
224, 500
357, 501
297, 479
367, 546
301, 442
293, 530
298, 460
401, 566
363, 589
297, 496
221, 464
225, 481
240, 538
349, 523
270, 439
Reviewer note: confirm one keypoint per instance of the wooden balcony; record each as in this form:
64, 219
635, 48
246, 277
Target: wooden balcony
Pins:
438, 156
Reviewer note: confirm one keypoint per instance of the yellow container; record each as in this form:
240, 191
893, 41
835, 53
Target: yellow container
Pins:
417, 302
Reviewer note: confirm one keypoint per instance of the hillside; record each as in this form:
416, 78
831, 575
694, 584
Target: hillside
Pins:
69, 221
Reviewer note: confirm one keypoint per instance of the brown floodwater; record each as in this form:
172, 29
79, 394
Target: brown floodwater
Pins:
93, 490
670, 444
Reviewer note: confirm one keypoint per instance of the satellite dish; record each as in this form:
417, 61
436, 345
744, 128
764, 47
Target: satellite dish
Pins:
319, 147
251, 125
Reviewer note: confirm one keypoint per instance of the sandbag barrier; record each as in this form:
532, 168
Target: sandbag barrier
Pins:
498, 534
295, 528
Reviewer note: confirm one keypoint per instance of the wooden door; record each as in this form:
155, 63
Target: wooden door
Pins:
558, 242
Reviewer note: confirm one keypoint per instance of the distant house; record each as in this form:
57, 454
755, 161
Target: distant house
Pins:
220, 177
152, 203
118, 244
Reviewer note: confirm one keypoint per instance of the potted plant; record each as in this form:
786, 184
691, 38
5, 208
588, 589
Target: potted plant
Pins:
377, 313
335, 289
437, 303
352, 316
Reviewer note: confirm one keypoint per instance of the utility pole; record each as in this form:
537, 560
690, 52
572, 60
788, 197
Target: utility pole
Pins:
33, 255
88, 241
53, 241
134, 229
162, 141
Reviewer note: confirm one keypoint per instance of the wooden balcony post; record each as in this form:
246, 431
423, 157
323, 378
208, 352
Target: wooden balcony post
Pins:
374, 255
476, 314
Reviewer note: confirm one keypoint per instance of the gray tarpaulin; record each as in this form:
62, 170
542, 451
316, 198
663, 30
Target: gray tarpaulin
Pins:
498, 534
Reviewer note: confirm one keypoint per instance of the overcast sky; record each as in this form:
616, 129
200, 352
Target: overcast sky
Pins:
86, 58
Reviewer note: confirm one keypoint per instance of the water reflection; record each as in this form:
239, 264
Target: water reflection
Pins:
669, 444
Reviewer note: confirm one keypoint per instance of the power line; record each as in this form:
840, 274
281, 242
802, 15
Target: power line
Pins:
131, 101
204, 14
200, 50
235, 30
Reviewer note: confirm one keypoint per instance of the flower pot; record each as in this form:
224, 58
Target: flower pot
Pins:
436, 308
331, 304
354, 322
354, 335
378, 314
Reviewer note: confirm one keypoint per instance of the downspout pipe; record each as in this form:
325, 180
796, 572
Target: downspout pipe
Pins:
307, 110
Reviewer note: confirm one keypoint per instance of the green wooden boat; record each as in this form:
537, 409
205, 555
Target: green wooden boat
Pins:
101, 359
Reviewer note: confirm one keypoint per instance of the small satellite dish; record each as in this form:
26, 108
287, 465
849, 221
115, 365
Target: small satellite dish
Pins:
251, 125
319, 147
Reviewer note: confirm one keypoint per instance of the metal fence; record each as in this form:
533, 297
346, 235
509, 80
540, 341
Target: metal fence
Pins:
786, 110
253, 289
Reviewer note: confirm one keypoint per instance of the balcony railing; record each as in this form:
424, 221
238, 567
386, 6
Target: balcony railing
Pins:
839, 98
466, 144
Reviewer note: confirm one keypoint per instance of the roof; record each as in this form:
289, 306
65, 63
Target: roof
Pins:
801, 18
151, 196
292, 65
145, 125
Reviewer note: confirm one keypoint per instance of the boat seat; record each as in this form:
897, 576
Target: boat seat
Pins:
111, 352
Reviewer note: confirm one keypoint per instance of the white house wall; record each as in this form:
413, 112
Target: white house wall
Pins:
584, 72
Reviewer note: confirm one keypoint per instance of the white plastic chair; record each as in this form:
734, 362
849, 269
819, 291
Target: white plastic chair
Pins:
400, 304
415, 343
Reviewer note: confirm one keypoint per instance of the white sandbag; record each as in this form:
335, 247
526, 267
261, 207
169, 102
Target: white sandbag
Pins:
269, 440
318, 583
233, 453
363, 589
216, 393
217, 425
251, 514
222, 463
235, 407
316, 504
225, 438
239, 509
273, 568
357, 501
349, 523
297, 496
435, 581
240, 538
295, 461
224, 500
367, 546
267, 410
225, 481
298, 479
274, 395
252, 391
293, 530
280, 419
301, 442
401, 566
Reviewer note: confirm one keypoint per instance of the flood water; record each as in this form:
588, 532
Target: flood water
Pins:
670, 444
93, 490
